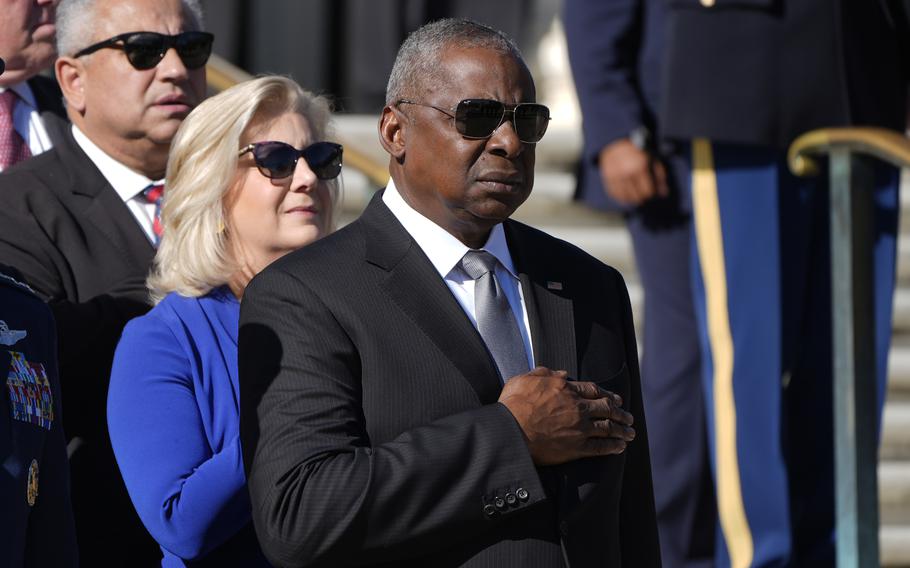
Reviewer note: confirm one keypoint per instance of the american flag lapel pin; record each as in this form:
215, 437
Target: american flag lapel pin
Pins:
551, 285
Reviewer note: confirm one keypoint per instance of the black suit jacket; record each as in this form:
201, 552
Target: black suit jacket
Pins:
50, 107
765, 71
77, 244
370, 426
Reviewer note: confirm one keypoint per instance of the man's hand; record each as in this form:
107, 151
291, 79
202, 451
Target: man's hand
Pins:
631, 175
566, 420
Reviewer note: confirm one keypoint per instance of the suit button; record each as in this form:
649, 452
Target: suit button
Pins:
500, 503
522, 494
564, 528
511, 499
489, 510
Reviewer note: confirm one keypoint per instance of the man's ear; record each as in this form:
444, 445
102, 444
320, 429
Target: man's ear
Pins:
70, 76
392, 132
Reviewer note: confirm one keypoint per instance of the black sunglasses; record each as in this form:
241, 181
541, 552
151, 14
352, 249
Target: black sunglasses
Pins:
145, 50
277, 160
479, 118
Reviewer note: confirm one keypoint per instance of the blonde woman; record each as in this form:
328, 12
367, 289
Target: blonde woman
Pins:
250, 178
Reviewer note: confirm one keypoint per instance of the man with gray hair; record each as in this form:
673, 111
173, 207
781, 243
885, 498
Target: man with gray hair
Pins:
80, 223
436, 384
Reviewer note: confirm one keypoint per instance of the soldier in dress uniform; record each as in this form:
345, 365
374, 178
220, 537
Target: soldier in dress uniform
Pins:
36, 518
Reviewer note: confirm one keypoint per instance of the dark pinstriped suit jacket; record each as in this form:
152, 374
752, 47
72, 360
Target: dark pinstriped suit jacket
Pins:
369, 422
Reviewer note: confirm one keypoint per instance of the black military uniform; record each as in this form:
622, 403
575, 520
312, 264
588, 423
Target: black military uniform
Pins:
36, 518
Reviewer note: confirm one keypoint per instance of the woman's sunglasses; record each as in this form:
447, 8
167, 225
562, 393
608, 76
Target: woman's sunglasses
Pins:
145, 50
277, 160
479, 118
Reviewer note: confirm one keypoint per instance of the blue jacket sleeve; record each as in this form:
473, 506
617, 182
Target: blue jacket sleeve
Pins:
190, 498
604, 40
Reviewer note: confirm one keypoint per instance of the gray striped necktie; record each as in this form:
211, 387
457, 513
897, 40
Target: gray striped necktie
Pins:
495, 319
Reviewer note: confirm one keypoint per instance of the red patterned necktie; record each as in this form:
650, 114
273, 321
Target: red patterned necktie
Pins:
153, 194
13, 148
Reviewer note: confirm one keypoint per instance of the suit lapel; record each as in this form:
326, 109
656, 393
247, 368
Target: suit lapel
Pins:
414, 284
102, 207
548, 299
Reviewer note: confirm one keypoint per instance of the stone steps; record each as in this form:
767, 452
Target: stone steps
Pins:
894, 543
894, 491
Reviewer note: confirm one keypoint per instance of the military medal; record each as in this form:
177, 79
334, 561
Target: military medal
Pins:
31, 492
31, 399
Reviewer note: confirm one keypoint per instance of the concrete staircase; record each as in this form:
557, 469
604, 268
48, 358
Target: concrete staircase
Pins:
604, 236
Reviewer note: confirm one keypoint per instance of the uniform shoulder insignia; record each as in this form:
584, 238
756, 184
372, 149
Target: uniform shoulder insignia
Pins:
10, 337
7, 279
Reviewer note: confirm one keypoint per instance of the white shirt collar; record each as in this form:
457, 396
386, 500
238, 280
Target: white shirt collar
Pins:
443, 249
25, 94
126, 182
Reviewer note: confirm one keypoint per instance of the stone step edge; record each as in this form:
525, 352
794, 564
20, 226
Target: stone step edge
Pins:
895, 443
894, 483
894, 546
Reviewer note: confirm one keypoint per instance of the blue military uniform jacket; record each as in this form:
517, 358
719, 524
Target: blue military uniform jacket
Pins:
36, 519
616, 49
762, 72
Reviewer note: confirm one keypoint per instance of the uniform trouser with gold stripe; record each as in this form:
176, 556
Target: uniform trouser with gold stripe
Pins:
762, 294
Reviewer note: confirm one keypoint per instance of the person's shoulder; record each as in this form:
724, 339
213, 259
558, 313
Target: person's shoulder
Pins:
12, 282
184, 314
165, 315
175, 307
328, 255
40, 175
565, 259
158, 345
163, 329
41, 165
553, 250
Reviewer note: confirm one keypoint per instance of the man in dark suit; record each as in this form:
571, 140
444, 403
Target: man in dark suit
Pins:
616, 50
743, 79
32, 119
34, 486
76, 222
388, 414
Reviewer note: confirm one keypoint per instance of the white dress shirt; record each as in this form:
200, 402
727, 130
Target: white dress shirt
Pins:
445, 253
128, 184
27, 119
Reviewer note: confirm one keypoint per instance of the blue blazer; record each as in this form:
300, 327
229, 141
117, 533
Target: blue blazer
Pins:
174, 424
616, 52
762, 72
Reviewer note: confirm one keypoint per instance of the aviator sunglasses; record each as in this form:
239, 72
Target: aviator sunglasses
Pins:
479, 118
145, 50
277, 160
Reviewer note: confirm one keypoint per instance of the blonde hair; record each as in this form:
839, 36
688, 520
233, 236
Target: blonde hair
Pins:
194, 255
